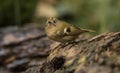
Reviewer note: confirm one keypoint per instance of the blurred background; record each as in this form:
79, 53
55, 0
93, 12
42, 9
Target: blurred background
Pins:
23, 44
99, 15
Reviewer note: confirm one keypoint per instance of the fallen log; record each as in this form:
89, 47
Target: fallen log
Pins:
99, 54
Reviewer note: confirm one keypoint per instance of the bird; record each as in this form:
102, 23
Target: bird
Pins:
61, 31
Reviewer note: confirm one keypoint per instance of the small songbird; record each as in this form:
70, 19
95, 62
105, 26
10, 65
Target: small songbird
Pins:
62, 31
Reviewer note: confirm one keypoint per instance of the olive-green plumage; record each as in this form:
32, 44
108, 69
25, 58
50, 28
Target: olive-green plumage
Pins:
61, 31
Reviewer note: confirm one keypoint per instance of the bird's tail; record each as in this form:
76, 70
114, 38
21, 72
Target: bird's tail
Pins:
86, 30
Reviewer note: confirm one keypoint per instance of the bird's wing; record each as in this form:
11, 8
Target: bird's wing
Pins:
60, 34
70, 31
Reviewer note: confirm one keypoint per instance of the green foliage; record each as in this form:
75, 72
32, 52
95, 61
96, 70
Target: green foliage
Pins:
99, 15
16, 12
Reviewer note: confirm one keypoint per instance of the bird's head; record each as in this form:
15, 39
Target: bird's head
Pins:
51, 21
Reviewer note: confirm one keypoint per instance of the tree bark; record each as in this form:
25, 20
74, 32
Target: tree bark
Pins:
99, 54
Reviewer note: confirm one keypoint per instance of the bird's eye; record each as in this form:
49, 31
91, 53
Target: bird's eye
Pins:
54, 21
49, 22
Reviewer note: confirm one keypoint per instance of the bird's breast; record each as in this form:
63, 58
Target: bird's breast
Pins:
50, 31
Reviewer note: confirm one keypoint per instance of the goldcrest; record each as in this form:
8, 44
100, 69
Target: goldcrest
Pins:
62, 31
